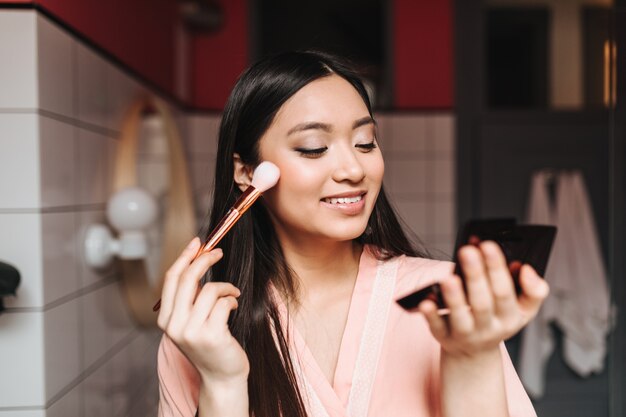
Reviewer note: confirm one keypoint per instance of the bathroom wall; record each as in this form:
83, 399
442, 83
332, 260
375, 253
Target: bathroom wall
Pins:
143, 34
67, 344
419, 151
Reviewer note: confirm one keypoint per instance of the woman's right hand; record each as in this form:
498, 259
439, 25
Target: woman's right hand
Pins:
197, 321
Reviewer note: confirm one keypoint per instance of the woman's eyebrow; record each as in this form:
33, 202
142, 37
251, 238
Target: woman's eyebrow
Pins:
328, 128
363, 121
310, 126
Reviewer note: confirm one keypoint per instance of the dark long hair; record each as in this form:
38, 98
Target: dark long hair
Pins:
253, 257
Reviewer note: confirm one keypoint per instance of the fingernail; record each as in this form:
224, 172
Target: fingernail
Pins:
531, 272
470, 257
451, 284
490, 248
425, 307
192, 243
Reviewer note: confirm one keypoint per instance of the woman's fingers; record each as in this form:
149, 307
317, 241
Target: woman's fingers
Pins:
501, 282
488, 311
477, 284
207, 298
188, 284
534, 291
437, 323
172, 278
460, 320
217, 323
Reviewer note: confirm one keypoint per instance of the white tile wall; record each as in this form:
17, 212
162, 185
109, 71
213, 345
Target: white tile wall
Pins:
406, 176
419, 156
62, 346
56, 69
153, 175
120, 374
415, 214
202, 172
203, 131
92, 94
118, 320
441, 248
444, 178
407, 133
22, 352
18, 72
112, 146
69, 344
93, 167
443, 215
57, 159
19, 159
95, 338
144, 355
122, 89
21, 246
23, 413
95, 394
133, 379
441, 129
68, 405
59, 255
202, 149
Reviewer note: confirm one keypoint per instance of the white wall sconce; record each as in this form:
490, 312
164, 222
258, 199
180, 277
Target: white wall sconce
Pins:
155, 222
130, 211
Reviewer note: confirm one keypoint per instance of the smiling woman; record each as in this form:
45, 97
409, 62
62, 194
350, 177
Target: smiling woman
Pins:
323, 250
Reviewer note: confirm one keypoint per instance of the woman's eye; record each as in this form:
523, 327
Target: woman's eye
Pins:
367, 146
312, 153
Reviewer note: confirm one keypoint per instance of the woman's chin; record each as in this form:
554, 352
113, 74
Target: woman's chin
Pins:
345, 234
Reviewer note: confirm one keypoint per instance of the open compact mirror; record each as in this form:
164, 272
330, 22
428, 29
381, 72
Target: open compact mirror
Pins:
521, 244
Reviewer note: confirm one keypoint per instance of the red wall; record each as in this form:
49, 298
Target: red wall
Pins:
219, 58
423, 54
139, 33
422, 32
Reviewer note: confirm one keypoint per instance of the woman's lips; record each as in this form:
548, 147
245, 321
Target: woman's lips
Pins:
350, 205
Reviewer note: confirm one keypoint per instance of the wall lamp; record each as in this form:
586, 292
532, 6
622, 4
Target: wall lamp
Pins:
130, 211
155, 220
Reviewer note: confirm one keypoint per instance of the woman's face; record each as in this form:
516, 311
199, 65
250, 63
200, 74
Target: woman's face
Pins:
323, 139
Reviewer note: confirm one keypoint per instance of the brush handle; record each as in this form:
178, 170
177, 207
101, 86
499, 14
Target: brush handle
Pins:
228, 221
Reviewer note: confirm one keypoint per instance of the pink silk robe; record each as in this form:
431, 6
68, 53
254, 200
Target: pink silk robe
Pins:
388, 362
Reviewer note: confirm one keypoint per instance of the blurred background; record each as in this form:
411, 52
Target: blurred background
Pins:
493, 108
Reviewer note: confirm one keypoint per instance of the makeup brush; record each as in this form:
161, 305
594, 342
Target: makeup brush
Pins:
265, 176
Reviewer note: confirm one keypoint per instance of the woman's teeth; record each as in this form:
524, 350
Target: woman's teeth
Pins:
347, 200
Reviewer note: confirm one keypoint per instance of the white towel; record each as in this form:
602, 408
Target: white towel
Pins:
579, 300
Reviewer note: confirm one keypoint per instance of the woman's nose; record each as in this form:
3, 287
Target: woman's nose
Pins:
349, 167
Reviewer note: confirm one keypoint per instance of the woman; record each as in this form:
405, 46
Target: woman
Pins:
311, 275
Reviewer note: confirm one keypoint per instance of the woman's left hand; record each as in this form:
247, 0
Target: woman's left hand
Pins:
491, 311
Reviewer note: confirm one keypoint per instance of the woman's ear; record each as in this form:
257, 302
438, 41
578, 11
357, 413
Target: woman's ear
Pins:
243, 173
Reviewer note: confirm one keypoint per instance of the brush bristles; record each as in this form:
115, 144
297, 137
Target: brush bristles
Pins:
265, 176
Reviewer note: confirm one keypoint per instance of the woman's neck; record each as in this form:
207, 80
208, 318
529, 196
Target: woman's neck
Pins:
323, 268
